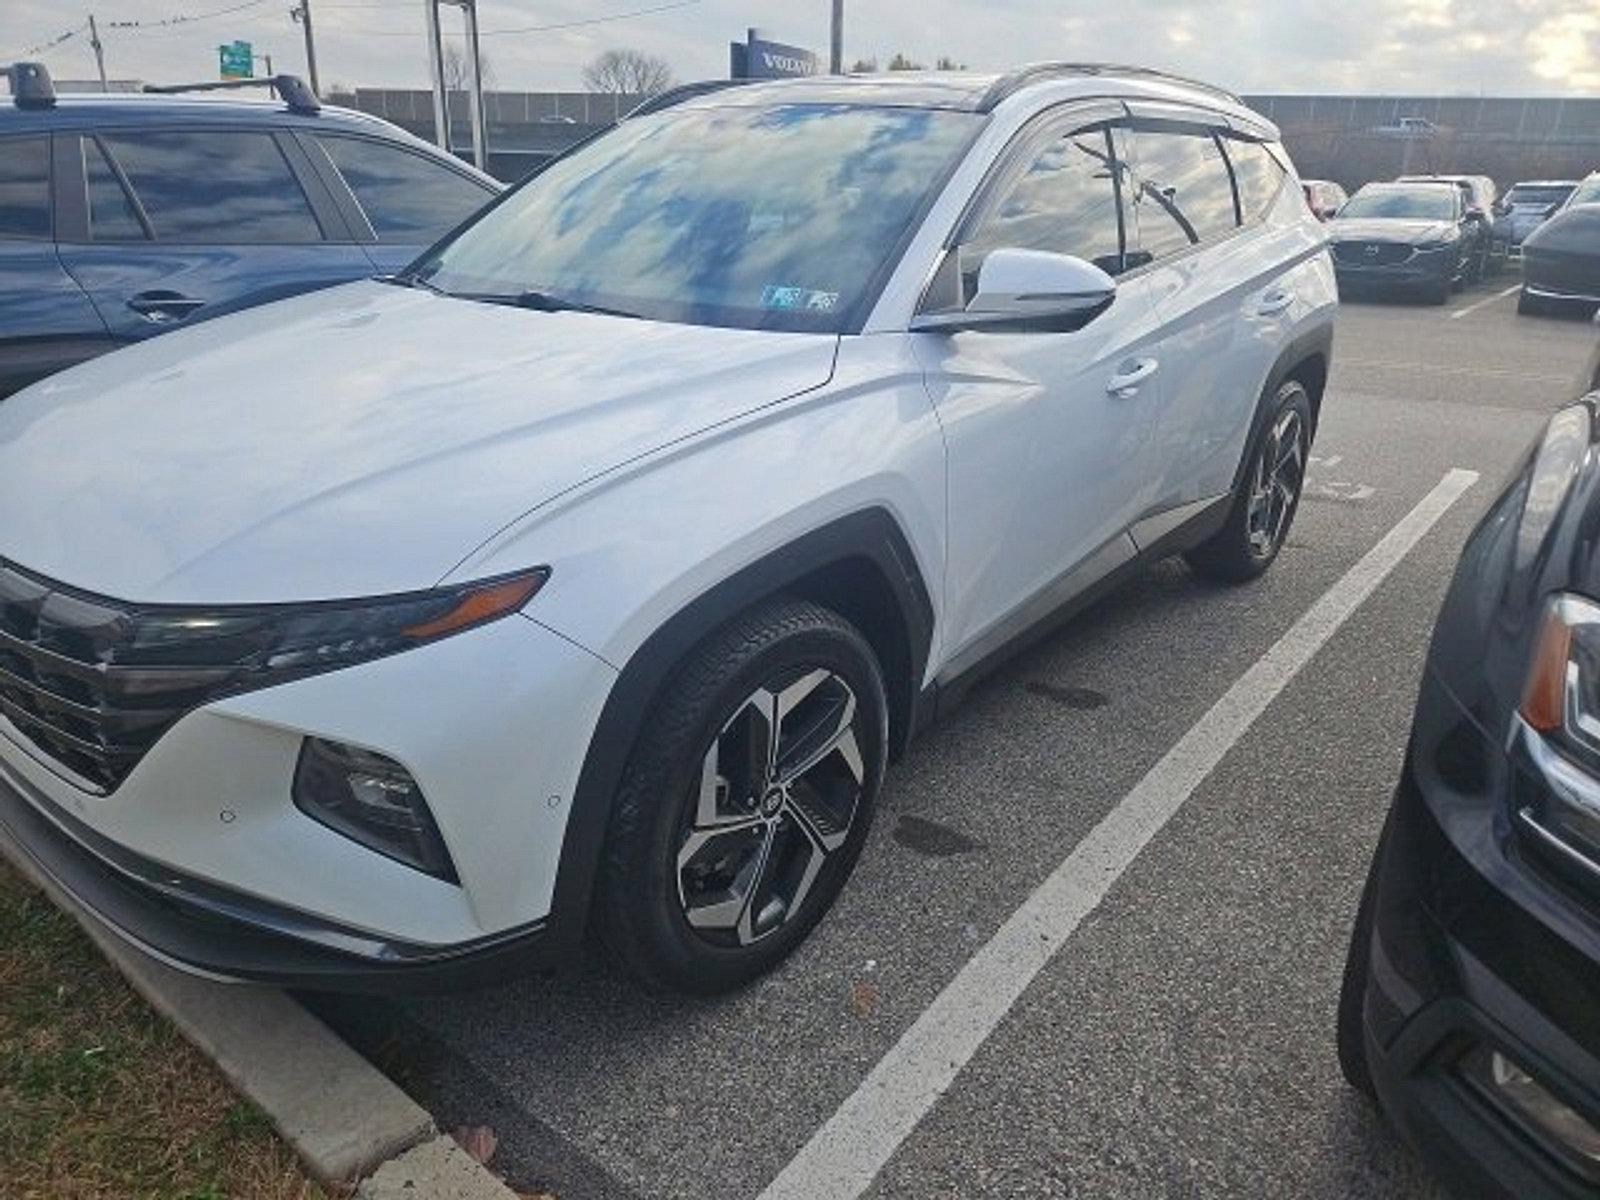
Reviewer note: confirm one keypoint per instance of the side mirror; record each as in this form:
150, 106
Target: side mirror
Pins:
1029, 290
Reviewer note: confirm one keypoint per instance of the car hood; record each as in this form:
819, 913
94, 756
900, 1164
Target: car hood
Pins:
357, 441
1575, 230
1375, 229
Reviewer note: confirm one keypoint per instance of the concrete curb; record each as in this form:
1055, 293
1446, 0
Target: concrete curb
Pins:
343, 1117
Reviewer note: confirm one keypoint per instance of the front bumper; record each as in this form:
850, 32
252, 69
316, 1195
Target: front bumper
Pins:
206, 930
1422, 269
1475, 945
202, 858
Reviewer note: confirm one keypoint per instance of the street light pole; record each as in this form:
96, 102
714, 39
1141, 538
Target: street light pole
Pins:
475, 96
302, 13
836, 41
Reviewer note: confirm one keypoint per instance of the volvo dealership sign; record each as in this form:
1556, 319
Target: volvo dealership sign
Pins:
759, 58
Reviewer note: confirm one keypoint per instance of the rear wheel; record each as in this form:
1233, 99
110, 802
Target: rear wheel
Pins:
1264, 508
746, 801
1530, 305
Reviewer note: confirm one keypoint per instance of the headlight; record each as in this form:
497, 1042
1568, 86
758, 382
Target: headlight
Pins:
1560, 457
1561, 698
281, 640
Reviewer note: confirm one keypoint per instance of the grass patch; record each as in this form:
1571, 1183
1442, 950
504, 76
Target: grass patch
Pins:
101, 1099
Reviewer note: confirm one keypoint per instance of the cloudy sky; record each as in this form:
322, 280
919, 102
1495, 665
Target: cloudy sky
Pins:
1493, 47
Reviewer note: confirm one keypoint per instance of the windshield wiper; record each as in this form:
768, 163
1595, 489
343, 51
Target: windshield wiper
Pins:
541, 301
413, 280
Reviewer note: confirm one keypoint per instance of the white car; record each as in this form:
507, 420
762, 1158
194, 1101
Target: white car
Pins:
589, 574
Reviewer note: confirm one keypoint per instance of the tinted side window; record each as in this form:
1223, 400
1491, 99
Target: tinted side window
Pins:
25, 188
1258, 177
1182, 192
1065, 202
111, 215
407, 198
215, 186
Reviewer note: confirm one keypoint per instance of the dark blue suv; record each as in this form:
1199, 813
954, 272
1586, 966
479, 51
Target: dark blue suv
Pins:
123, 216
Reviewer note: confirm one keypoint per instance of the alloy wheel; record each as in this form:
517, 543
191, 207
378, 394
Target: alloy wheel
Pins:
776, 796
1279, 472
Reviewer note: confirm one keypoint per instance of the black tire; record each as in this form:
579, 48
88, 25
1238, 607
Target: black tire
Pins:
1236, 554
1529, 305
1350, 1028
642, 907
1440, 293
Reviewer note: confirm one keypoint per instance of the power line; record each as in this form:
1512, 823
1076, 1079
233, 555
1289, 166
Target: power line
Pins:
184, 18
621, 16
51, 44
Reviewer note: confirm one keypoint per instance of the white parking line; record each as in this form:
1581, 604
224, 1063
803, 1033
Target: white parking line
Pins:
1485, 302
852, 1146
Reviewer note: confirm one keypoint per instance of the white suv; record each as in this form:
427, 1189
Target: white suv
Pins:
589, 573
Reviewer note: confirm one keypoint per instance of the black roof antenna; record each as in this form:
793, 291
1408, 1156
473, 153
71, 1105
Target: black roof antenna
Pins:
31, 86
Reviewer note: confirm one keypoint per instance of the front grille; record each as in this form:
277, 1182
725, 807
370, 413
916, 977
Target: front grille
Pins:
72, 685
1371, 254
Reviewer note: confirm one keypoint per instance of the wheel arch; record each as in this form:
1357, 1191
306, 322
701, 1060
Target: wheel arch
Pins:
1306, 361
860, 565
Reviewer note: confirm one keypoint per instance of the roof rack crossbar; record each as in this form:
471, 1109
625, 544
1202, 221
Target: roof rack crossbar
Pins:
291, 89
31, 85
1011, 83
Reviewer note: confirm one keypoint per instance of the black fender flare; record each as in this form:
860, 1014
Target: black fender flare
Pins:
872, 534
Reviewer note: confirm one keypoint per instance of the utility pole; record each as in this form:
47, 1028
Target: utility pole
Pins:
836, 41
99, 52
441, 115
302, 13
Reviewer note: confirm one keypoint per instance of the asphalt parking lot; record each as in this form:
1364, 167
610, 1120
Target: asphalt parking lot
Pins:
1179, 1041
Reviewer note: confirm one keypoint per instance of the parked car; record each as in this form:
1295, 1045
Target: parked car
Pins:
1408, 127
1482, 201
591, 571
1414, 237
124, 216
1324, 197
1587, 192
1473, 984
1561, 262
1525, 206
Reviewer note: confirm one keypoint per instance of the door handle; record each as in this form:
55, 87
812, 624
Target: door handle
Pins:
162, 306
1130, 375
1274, 302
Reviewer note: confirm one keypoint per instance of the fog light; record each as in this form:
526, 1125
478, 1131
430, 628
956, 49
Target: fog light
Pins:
1508, 1085
373, 800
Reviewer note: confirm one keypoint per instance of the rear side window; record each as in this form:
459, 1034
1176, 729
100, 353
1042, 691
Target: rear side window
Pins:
1258, 177
111, 214
25, 188
215, 186
1182, 194
407, 198
1064, 202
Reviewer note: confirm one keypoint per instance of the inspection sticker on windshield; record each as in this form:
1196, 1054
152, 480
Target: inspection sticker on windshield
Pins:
774, 296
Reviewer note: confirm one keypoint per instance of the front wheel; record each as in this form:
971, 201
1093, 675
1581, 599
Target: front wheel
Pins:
1268, 496
746, 801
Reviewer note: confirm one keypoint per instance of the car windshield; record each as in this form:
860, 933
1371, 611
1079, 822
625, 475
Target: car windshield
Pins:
1430, 203
1537, 197
1588, 192
779, 217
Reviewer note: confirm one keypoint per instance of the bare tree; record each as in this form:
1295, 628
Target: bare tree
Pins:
864, 66
946, 63
627, 73
901, 63
458, 72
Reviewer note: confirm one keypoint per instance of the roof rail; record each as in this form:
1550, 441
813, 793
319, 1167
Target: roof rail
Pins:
291, 89
1013, 82
684, 91
31, 85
